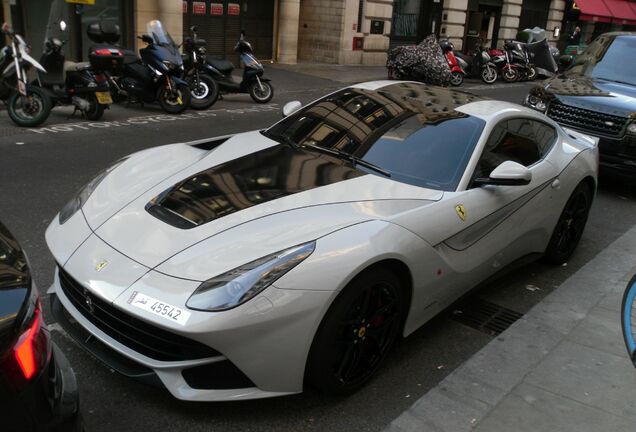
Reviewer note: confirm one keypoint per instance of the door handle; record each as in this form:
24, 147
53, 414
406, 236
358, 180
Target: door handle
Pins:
556, 184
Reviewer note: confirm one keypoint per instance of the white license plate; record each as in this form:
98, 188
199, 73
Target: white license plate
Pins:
159, 308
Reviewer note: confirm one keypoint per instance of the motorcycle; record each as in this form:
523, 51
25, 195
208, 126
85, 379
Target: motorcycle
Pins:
155, 77
204, 89
515, 64
253, 82
72, 84
27, 105
457, 73
479, 65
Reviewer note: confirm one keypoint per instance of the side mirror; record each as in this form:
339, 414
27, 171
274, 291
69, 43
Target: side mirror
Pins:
62, 25
147, 39
509, 173
290, 108
194, 28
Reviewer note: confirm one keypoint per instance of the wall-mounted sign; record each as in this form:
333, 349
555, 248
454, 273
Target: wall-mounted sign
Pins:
377, 27
86, 2
233, 9
358, 43
198, 8
184, 7
216, 9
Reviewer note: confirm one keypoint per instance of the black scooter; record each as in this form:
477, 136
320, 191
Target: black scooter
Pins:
73, 84
204, 88
253, 81
156, 76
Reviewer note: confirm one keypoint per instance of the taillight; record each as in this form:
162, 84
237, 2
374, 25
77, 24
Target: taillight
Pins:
30, 352
108, 52
100, 78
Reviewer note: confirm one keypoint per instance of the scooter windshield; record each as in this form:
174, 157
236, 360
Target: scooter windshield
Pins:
159, 34
58, 13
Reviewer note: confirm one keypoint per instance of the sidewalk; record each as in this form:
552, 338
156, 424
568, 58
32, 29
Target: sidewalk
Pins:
562, 367
347, 74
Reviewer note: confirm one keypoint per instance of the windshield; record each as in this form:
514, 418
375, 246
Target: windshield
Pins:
156, 31
407, 129
59, 12
605, 59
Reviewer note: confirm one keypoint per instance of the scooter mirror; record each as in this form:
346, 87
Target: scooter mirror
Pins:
194, 29
290, 108
62, 25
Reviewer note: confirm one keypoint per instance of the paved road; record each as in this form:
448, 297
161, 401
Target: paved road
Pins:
40, 170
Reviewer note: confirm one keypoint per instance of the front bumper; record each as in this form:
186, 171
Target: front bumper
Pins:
618, 156
266, 340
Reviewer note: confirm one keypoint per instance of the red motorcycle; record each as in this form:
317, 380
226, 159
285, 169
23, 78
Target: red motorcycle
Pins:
457, 73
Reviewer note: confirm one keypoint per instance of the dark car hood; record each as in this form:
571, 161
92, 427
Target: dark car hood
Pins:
598, 95
15, 285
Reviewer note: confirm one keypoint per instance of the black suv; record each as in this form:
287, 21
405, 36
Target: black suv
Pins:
597, 96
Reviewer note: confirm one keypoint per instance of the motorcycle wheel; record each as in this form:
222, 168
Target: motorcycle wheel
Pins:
259, 95
457, 78
204, 92
30, 110
510, 75
489, 75
174, 104
532, 74
96, 110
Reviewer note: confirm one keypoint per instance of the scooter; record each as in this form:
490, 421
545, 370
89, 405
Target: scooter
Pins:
457, 73
204, 89
253, 81
479, 65
155, 77
27, 105
73, 84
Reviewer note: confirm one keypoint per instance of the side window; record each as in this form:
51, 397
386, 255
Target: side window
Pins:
524, 141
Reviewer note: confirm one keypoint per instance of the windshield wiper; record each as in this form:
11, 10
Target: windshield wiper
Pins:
348, 157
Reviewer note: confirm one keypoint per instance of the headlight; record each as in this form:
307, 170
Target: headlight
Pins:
82, 196
170, 65
243, 283
534, 101
631, 128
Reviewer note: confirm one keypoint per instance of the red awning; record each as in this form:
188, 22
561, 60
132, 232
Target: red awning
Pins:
593, 10
621, 11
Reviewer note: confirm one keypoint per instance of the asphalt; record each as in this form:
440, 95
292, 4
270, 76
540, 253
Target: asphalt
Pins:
40, 170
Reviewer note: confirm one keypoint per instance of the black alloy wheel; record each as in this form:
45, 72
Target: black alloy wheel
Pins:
569, 228
261, 92
95, 110
174, 101
357, 332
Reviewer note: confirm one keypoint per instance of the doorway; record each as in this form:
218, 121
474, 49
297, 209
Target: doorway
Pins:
483, 26
413, 20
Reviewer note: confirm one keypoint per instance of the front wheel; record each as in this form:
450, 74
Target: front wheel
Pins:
457, 78
570, 226
357, 332
204, 90
532, 74
261, 92
628, 319
489, 74
510, 74
174, 102
30, 110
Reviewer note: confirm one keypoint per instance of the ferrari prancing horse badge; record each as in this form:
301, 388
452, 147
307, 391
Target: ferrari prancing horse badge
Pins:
461, 211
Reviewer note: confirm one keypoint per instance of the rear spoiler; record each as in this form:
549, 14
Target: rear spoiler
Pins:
581, 138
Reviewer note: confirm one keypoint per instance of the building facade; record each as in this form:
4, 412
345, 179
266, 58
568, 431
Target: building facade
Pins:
324, 31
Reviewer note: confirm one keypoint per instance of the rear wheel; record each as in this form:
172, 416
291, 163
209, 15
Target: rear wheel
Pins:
489, 74
532, 74
262, 93
174, 102
204, 90
96, 110
357, 332
570, 226
509, 74
30, 110
457, 78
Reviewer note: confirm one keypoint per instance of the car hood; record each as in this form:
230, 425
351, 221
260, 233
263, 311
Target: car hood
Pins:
593, 94
248, 197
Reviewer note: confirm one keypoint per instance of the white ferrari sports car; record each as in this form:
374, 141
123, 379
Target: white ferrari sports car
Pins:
248, 266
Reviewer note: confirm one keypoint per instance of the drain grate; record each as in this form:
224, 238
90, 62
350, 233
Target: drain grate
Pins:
484, 316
